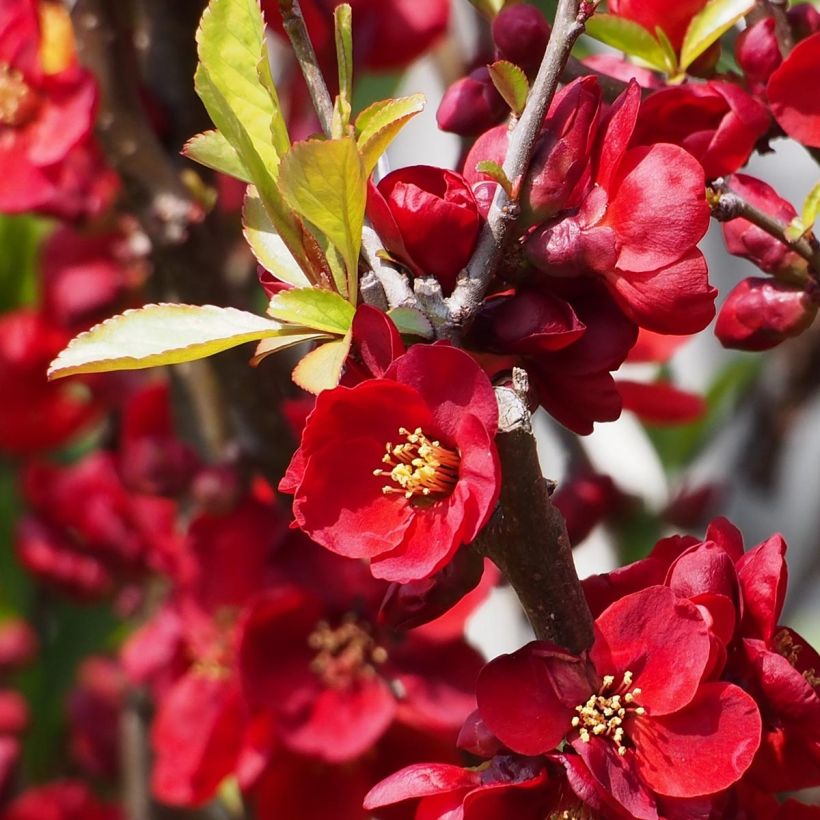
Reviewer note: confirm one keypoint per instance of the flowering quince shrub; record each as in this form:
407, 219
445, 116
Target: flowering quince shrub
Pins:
230, 592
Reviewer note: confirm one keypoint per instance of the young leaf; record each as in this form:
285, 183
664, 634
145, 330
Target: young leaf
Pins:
411, 322
157, 335
278, 126
211, 149
495, 172
511, 83
811, 207
629, 37
321, 369
668, 49
313, 308
267, 246
709, 25
288, 339
343, 26
325, 182
378, 125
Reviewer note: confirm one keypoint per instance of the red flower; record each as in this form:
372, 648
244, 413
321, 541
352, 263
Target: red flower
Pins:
429, 220
434, 405
798, 112
45, 110
716, 122
60, 800
639, 730
637, 228
312, 656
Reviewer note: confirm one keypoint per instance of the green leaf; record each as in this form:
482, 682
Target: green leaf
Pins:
495, 172
378, 125
629, 37
325, 182
343, 27
709, 25
313, 308
321, 369
669, 53
811, 207
211, 149
267, 246
157, 335
274, 344
511, 83
278, 126
411, 322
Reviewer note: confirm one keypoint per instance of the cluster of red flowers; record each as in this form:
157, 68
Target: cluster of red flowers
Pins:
302, 647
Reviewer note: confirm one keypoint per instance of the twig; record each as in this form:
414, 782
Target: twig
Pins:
727, 205
527, 537
466, 299
135, 757
294, 25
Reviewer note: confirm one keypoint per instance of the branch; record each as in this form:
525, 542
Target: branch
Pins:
135, 757
466, 299
294, 25
727, 205
527, 537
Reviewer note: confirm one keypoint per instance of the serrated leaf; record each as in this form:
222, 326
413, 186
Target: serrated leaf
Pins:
266, 244
709, 25
411, 322
511, 83
495, 172
343, 28
325, 182
158, 335
811, 207
379, 123
313, 308
321, 369
282, 342
627, 36
211, 149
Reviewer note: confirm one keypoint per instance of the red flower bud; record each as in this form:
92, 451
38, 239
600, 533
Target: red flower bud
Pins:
758, 53
804, 20
585, 501
750, 242
14, 714
759, 314
436, 216
520, 34
18, 644
471, 105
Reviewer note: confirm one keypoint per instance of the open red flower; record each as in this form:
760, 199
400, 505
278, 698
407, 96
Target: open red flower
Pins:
639, 730
403, 469
798, 112
45, 110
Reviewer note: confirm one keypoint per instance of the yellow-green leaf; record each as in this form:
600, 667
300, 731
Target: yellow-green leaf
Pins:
157, 335
325, 182
212, 150
287, 339
343, 27
379, 123
266, 244
321, 369
278, 126
313, 308
811, 207
511, 83
709, 25
411, 322
669, 53
629, 37
495, 172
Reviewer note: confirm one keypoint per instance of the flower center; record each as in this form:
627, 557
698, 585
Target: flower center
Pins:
18, 103
419, 467
345, 654
786, 646
603, 715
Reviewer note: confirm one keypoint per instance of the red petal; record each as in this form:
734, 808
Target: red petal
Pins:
420, 780
648, 633
617, 132
701, 749
796, 109
660, 402
763, 577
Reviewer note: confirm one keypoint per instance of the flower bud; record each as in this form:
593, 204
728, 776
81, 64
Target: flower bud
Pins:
759, 314
436, 216
14, 713
804, 20
585, 501
758, 53
18, 644
520, 34
471, 105
750, 242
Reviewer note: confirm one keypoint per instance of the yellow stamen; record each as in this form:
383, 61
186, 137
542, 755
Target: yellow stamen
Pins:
18, 103
419, 467
345, 654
